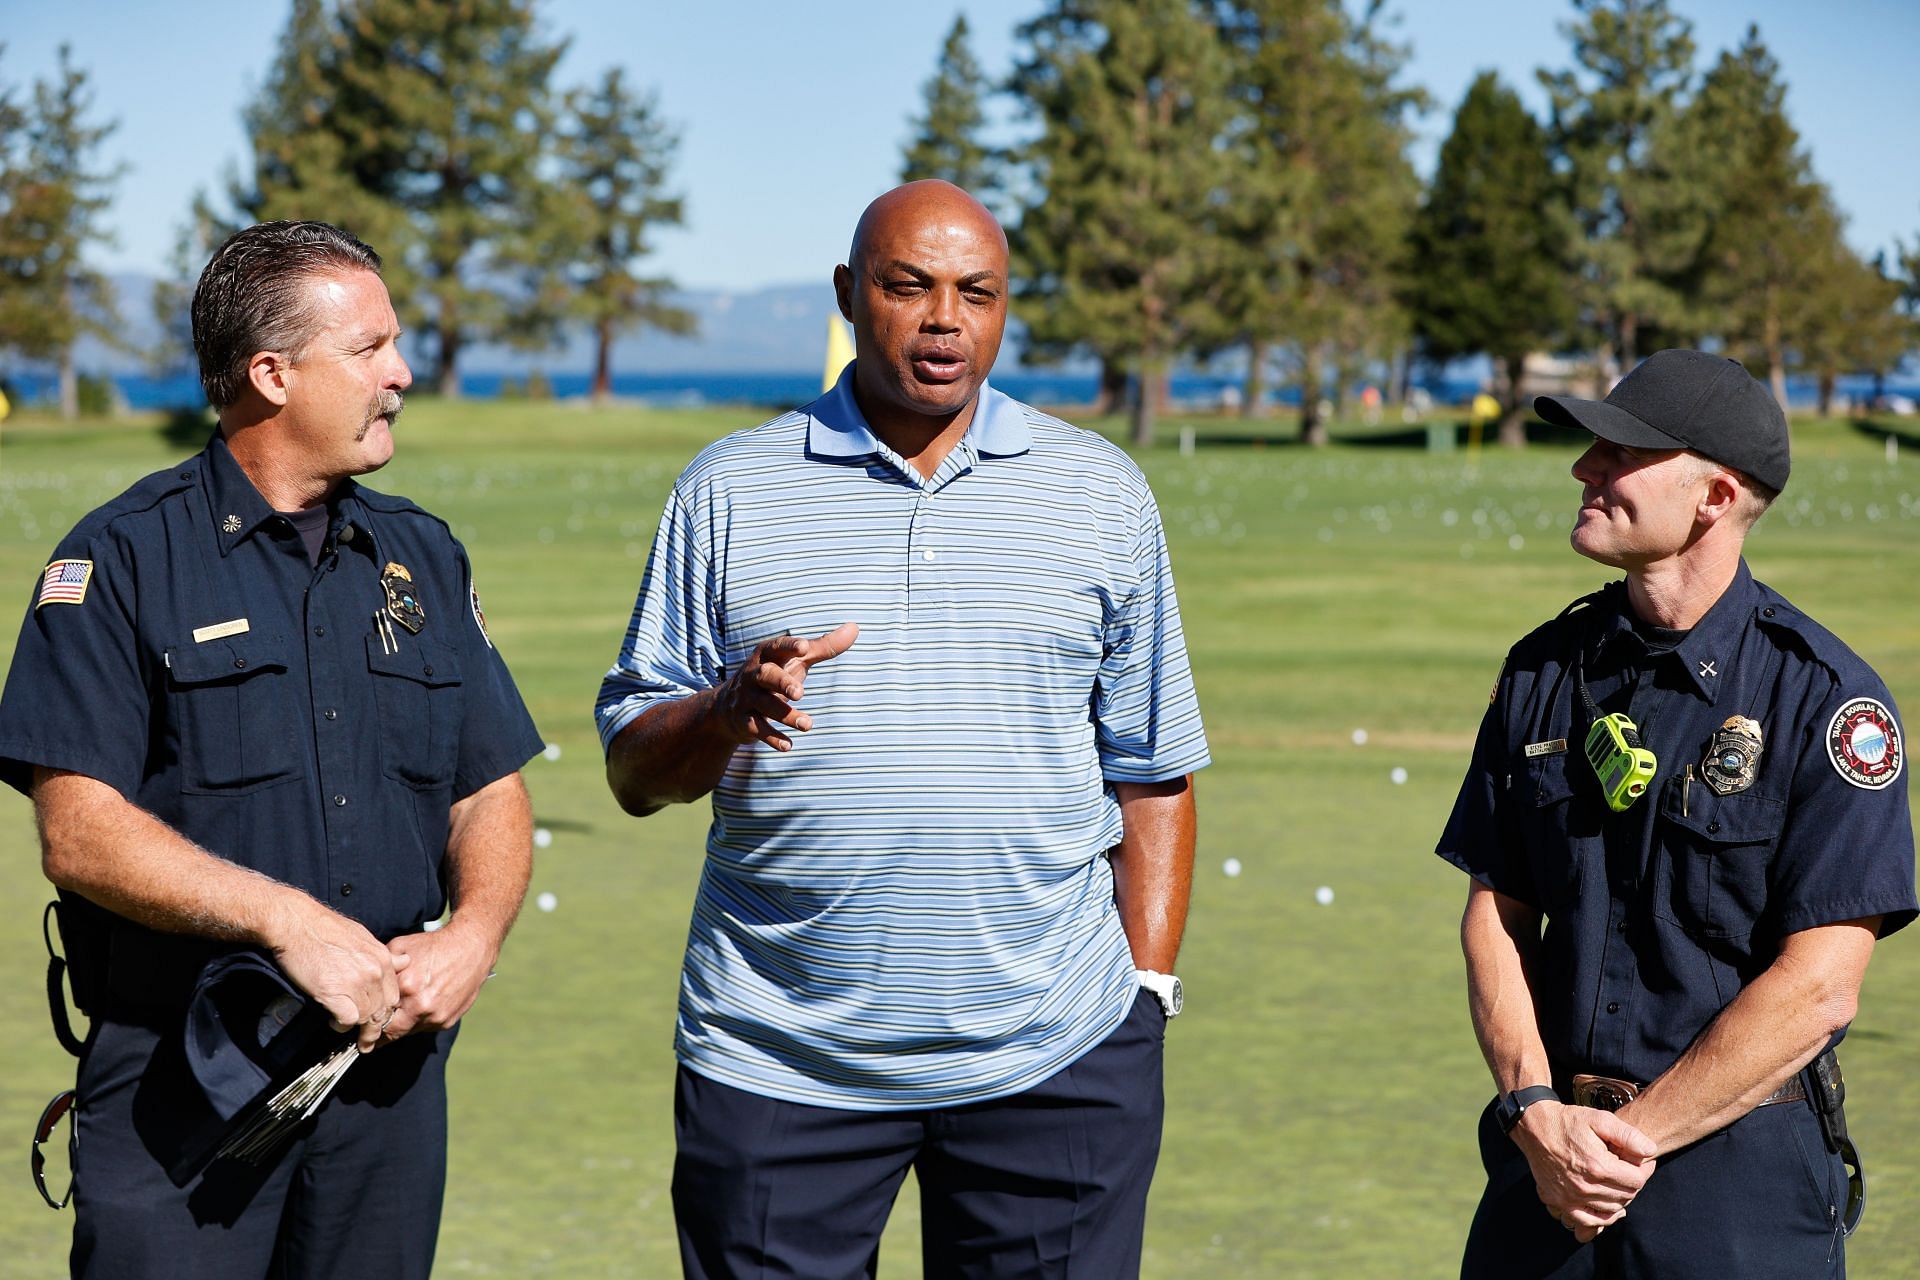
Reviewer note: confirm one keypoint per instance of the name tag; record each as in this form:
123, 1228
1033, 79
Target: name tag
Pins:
221, 630
1551, 748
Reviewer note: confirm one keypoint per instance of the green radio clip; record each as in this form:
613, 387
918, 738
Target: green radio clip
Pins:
1624, 766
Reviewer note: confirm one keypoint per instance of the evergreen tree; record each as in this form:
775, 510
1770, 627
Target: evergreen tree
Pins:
419, 125
1116, 244
613, 158
1321, 192
1773, 234
946, 142
1850, 324
1489, 245
19, 218
51, 198
1637, 56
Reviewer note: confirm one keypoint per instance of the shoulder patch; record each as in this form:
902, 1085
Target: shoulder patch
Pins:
479, 617
65, 582
1863, 742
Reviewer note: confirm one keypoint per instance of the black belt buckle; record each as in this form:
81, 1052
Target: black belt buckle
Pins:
49, 1121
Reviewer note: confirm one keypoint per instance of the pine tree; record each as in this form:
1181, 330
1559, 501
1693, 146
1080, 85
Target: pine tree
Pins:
419, 125
1489, 244
1321, 191
1849, 323
53, 196
19, 218
1637, 56
614, 155
1117, 242
1772, 233
946, 142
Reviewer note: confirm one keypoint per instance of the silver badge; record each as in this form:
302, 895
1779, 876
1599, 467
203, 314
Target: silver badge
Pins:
1733, 757
231, 524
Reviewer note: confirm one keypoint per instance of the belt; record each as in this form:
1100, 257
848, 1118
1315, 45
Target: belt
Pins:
1607, 1094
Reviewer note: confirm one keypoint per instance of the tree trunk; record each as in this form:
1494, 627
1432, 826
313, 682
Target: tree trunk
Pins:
1513, 422
1775, 348
1629, 342
69, 387
1144, 405
1112, 394
1313, 430
1826, 391
603, 362
1253, 401
447, 381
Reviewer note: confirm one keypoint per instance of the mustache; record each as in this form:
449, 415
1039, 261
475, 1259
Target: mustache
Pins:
389, 405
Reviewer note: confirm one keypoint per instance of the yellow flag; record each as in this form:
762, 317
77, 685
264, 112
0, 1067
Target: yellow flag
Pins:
839, 352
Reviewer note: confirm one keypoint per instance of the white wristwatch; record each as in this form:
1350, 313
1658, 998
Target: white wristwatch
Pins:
1165, 986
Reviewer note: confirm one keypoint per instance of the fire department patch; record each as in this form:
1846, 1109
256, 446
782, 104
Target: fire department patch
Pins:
1864, 744
479, 617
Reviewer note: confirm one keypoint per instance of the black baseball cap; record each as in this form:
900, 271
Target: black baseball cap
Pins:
1680, 399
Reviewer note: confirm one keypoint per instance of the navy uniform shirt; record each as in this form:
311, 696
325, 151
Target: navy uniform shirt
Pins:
1656, 918
183, 650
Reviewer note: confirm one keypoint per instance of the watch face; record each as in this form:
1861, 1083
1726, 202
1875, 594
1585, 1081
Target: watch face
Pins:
1179, 996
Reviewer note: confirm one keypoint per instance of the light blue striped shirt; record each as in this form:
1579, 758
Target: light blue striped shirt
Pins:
912, 907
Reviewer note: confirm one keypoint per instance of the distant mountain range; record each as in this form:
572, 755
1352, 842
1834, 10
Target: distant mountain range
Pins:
778, 328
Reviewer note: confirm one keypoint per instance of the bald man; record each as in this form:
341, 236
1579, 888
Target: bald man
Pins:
919, 642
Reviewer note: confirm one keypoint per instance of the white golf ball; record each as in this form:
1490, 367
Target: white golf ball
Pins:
546, 902
1359, 737
542, 837
1323, 895
1399, 776
552, 752
1231, 866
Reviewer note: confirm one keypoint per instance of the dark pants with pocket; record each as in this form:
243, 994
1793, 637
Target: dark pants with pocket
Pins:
1051, 1182
357, 1192
1760, 1200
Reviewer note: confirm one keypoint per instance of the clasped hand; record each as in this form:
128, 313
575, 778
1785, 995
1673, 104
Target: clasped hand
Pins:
1587, 1164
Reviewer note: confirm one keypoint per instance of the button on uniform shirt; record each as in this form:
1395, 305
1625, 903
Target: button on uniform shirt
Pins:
912, 907
182, 649
1656, 918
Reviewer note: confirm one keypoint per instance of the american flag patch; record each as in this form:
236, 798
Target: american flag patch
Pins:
65, 582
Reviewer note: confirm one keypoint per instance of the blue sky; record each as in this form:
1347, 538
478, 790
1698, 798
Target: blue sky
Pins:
793, 117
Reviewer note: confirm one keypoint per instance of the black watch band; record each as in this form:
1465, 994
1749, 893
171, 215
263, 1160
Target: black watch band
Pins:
1511, 1106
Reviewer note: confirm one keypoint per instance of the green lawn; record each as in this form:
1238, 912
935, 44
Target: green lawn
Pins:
1323, 1083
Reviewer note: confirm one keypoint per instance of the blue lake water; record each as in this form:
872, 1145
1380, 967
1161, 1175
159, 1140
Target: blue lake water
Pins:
142, 391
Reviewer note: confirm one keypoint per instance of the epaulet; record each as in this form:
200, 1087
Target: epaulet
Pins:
391, 503
1795, 629
1587, 601
144, 494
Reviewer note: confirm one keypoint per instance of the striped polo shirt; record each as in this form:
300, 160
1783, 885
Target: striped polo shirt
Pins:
912, 907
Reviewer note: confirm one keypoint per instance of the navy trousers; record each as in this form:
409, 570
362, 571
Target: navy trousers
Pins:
1760, 1200
1048, 1183
356, 1193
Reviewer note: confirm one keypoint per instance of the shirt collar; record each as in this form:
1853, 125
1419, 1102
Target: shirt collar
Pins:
837, 429
1710, 647
238, 509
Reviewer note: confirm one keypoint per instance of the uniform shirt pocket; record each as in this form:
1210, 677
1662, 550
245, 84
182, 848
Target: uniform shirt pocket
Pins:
233, 705
418, 688
1718, 850
1552, 821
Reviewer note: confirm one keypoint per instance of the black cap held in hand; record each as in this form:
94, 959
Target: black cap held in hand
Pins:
1681, 399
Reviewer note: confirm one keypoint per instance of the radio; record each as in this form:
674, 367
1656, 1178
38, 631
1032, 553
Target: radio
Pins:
1622, 764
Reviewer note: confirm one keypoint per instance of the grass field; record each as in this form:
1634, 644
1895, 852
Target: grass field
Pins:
1323, 1083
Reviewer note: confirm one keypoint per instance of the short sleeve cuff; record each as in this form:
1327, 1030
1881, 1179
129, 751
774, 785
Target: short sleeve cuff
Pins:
1895, 913
19, 757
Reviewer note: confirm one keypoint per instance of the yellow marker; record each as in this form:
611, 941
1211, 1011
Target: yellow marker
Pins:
839, 352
